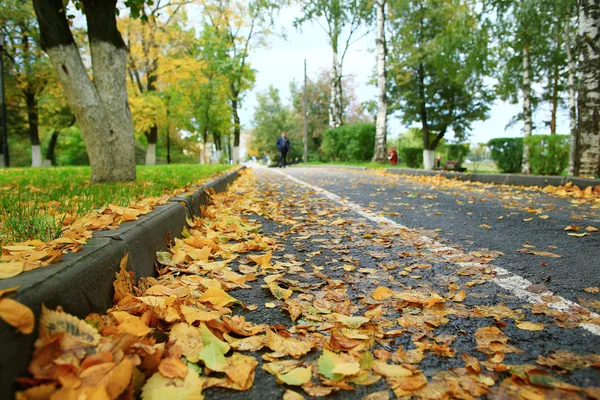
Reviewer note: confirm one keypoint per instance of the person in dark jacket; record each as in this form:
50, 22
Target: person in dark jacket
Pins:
283, 145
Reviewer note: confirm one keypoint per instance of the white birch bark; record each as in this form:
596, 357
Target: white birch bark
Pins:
527, 120
36, 156
428, 159
572, 104
335, 99
151, 154
589, 88
380, 153
236, 154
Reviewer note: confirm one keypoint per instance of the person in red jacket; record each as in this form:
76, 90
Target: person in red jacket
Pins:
393, 156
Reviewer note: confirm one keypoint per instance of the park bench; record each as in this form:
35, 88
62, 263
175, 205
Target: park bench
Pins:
452, 165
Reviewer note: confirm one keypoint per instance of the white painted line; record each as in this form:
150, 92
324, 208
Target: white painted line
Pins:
515, 284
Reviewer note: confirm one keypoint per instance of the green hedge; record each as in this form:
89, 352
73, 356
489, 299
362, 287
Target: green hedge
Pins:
507, 153
548, 154
349, 143
412, 156
457, 152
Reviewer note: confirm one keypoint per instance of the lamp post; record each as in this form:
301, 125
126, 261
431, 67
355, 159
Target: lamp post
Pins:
3, 106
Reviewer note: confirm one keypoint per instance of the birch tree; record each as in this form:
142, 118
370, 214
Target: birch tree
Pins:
100, 104
380, 152
573, 131
589, 88
341, 20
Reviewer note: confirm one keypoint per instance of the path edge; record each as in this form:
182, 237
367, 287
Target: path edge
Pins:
82, 283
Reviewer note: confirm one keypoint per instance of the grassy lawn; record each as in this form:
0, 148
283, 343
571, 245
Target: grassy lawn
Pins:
35, 201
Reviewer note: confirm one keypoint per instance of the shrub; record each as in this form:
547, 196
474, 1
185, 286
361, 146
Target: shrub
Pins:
412, 156
507, 153
349, 143
548, 154
457, 152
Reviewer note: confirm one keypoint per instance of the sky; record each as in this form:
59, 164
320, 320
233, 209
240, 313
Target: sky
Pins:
283, 61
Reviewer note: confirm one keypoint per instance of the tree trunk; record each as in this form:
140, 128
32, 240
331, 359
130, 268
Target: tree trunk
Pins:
335, 100
573, 164
589, 88
423, 106
152, 137
555, 85
236, 126
34, 133
152, 134
380, 153
100, 106
50, 152
527, 119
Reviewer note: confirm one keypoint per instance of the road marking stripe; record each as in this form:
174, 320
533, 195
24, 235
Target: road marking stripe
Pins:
515, 284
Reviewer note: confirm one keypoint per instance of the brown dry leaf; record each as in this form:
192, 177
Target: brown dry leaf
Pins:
18, 315
382, 293
318, 391
289, 346
460, 296
131, 324
591, 229
240, 371
530, 326
193, 314
114, 378
173, 368
123, 283
485, 226
217, 297
595, 289
413, 296
264, 260
382, 395
390, 370
572, 228
291, 395
539, 253
189, 339
11, 268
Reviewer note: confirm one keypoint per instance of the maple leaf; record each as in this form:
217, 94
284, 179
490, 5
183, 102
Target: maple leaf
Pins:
264, 260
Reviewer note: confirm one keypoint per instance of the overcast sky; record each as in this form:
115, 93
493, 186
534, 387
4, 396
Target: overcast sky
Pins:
283, 61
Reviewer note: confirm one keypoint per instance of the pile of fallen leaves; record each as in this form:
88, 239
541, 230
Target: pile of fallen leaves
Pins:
183, 332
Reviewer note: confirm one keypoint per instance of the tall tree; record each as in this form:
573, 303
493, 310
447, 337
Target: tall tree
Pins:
380, 152
341, 20
589, 88
149, 41
100, 105
438, 62
27, 63
243, 25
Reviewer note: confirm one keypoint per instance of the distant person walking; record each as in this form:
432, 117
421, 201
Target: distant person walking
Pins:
393, 156
283, 145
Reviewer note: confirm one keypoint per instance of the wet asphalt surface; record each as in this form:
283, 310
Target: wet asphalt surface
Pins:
450, 215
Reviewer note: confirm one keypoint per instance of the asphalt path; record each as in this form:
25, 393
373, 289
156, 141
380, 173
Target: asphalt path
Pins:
408, 234
475, 216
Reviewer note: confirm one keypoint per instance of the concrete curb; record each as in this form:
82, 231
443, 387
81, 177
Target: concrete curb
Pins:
505, 179
82, 283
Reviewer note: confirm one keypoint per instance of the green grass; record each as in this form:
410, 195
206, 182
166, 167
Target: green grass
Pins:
34, 201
